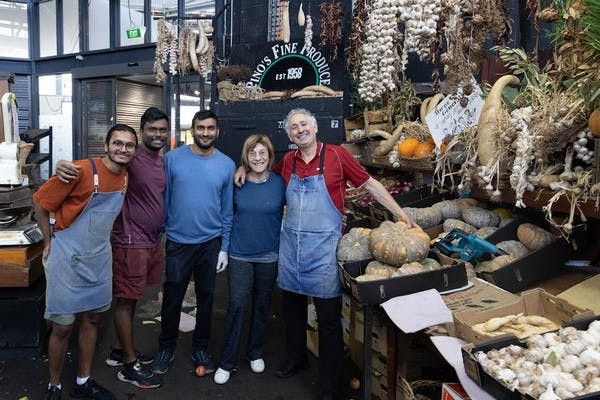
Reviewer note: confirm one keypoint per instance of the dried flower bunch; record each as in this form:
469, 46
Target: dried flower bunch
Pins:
331, 28
185, 51
235, 73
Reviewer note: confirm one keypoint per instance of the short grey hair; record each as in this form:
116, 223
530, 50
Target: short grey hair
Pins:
311, 117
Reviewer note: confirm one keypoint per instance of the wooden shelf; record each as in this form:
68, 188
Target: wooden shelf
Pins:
400, 168
539, 199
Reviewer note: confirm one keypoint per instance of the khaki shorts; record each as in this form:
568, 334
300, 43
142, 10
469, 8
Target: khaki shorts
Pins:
69, 319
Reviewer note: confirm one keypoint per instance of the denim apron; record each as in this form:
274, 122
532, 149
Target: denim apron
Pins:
79, 266
309, 237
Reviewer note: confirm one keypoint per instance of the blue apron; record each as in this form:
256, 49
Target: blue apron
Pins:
309, 237
79, 266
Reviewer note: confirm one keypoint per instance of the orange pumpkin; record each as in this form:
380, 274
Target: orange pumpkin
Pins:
407, 147
423, 150
594, 123
443, 147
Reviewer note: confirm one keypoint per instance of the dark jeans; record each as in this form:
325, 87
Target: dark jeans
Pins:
181, 261
245, 279
331, 341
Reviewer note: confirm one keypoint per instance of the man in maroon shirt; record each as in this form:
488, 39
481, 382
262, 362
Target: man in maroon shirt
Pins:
137, 251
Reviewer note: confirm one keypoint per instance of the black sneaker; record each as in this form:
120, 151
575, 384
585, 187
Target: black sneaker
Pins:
201, 357
139, 375
115, 358
162, 361
91, 390
53, 393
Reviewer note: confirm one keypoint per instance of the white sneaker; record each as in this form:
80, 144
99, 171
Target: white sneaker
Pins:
257, 366
221, 376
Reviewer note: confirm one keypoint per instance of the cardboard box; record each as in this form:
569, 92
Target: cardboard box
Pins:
495, 388
378, 334
379, 386
532, 302
482, 296
449, 277
535, 266
454, 391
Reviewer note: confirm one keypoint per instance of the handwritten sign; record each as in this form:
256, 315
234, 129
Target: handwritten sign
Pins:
450, 118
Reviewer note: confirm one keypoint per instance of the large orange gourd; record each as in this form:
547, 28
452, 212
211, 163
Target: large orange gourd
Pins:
407, 147
423, 150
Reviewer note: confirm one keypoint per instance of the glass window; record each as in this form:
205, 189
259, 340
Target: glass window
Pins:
14, 36
132, 16
160, 9
47, 28
99, 19
56, 110
71, 26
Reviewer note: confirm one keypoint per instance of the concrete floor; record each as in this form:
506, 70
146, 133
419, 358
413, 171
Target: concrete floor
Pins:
23, 373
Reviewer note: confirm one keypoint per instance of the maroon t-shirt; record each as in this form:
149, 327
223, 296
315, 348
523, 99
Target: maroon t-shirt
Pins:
142, 218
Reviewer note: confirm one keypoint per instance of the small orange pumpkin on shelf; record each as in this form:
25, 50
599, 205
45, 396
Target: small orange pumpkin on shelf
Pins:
594, 122
407, 147
423, 150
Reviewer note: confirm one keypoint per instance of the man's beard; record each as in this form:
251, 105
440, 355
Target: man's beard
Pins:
204, 146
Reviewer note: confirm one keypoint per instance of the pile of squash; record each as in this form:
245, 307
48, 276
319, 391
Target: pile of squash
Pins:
398, 250
530, 238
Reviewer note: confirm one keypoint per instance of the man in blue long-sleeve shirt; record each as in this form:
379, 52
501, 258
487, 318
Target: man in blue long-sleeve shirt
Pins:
199, 213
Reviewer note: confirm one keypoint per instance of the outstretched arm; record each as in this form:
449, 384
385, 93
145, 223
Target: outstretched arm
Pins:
376, 189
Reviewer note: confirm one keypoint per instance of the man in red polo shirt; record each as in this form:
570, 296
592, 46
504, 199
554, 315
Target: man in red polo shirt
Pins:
315, 177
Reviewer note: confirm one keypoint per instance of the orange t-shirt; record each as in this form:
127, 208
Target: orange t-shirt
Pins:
67, 200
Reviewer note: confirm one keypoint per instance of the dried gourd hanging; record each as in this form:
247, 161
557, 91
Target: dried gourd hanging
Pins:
301, 17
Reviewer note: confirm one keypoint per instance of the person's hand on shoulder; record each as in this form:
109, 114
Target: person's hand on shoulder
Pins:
222, 261
239, 178
66, 171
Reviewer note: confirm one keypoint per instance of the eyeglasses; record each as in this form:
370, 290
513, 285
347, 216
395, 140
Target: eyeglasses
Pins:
257, 154
154, 130
119, 144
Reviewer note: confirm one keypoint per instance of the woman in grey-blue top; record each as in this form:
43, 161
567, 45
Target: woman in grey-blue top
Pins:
253, 255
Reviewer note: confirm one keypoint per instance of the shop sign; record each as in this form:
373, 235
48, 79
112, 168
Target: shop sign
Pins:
291, 66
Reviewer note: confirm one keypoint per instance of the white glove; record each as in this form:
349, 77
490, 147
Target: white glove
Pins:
222, 261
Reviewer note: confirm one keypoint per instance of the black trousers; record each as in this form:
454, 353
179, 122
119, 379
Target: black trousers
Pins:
331, 340
183, 260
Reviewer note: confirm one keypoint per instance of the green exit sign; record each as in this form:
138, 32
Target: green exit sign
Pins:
134, 33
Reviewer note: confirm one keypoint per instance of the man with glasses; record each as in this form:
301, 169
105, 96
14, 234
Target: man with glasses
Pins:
77, 255
199, 214
137, 251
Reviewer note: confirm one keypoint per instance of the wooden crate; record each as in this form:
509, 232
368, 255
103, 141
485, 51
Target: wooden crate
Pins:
377, 120
355, 122
368, 121
21, 266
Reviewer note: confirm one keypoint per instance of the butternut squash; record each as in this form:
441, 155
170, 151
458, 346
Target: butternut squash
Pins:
491, 107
